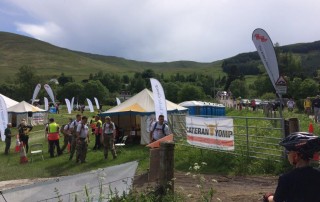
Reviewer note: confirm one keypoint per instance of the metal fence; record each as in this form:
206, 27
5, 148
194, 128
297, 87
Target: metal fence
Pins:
254, 137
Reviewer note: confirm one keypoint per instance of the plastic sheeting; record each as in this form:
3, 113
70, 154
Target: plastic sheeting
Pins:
115, 179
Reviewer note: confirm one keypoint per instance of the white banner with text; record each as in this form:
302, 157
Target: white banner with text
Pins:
213, 133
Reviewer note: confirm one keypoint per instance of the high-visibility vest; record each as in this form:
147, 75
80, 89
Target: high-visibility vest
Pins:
53, 132
100, 130
93, 125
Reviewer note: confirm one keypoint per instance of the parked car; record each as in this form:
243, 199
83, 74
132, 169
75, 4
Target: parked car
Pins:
258, 103
245, 102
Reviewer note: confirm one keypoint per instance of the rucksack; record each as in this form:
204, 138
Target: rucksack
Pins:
163, 127
62, 127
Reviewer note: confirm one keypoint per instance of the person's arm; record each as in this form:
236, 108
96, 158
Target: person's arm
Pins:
114, 132
78, 130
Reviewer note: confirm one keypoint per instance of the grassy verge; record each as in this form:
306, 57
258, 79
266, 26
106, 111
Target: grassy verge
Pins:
184, 155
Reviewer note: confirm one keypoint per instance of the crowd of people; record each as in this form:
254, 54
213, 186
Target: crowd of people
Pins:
76, 136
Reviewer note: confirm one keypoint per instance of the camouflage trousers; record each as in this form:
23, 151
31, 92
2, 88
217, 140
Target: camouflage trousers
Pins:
81, 150
108, 144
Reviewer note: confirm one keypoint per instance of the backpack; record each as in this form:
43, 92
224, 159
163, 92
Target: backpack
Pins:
62, 127
163, 127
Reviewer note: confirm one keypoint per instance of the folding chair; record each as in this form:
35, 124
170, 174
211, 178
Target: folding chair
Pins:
36, 149
122, 143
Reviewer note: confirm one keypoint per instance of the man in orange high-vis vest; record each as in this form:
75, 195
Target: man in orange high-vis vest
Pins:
52, 132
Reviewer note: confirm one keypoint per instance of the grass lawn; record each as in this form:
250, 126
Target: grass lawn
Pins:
61, 166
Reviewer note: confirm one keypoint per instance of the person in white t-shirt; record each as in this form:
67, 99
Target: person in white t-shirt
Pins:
290, 105
159, 129
73, 128
108, 137
82, 140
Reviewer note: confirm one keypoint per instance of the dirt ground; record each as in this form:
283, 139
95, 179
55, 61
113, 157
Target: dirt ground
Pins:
227, 189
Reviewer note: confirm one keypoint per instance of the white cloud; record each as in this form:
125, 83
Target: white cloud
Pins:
46, 32
168, 30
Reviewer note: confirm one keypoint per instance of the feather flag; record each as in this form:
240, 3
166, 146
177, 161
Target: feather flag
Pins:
267, 54
97, 103
50, 92
159, 99
118, 101
72, 102
90, 105
46, 104
68, 105
36, 92
3, 117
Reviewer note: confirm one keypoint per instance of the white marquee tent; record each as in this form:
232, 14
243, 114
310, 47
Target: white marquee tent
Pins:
23, 110
138, 112
9, 102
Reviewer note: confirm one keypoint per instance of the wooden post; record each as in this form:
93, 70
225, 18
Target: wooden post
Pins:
166, 173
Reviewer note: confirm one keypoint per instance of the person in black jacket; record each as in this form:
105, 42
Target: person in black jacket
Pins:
24, 130
316, 108
303, 182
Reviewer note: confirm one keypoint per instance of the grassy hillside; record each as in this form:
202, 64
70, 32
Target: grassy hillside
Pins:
51, 61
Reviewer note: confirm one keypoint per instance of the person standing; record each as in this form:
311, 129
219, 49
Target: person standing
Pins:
307, 106
23, 130
67, 135
52, 132
8, 135
303, 182
82, 140
159, 129
316, 108
73, 130
108, 137
290, 105
97, 133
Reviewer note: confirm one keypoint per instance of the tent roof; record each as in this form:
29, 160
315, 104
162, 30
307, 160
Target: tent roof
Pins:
9, 102
24, 107
141, 103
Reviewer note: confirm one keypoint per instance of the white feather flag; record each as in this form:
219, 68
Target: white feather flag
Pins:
3, 117
90, 105
68, 105
118, 101
36, 92
159, 98
97, 103
46, 104
50, 92
72, 102
267, 54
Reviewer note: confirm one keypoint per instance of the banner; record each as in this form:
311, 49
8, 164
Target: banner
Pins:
267, 54
90, 105
35, 92
3, 117
159, 99
46, 104
50, 93
118, 101
213, 133
68, 105
72, 102
97, 102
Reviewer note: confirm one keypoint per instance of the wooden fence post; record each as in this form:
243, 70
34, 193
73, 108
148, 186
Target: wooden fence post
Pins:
166, 173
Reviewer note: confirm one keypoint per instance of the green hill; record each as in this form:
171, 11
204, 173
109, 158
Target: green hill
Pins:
50, 61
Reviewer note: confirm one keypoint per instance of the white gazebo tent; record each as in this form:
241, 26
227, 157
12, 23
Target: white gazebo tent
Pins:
138, 112
23, 110
9, 102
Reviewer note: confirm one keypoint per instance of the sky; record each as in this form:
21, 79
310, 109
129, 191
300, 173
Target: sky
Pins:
162, 30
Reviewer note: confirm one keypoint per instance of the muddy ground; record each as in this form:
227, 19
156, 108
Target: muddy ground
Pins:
227, 189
